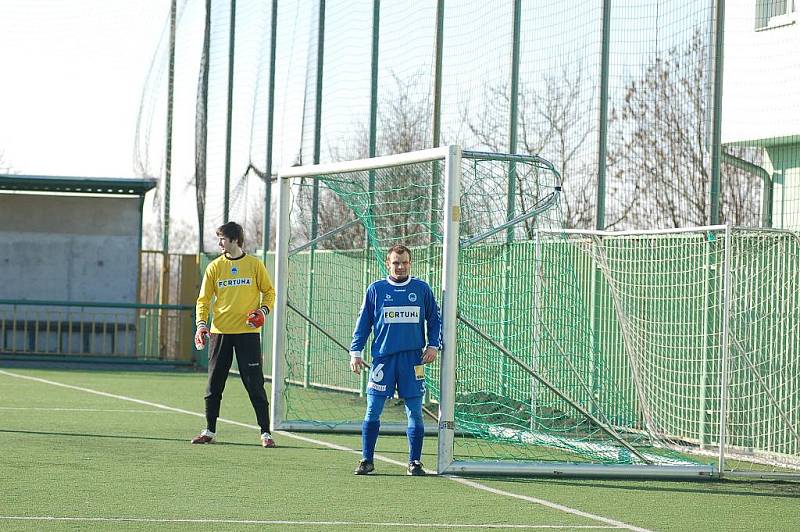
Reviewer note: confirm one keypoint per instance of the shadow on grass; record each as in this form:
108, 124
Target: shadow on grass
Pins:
732, 487
186, 440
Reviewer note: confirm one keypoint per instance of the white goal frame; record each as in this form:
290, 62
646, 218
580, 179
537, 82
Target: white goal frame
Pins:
451, 157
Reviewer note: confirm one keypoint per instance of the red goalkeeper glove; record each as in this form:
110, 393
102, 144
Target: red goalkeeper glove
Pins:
255, 318
200, 336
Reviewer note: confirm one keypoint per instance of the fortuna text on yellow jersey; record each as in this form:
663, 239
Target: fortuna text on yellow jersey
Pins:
222, 283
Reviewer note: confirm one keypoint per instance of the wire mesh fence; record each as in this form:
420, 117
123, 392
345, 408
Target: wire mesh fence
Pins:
658, 114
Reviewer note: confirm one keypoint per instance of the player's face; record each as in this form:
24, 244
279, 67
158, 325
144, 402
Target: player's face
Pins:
226, 245
399, 265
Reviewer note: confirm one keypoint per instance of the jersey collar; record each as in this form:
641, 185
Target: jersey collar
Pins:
395, 283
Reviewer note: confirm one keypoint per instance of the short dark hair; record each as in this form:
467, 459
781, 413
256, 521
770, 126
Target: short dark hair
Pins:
232, 231
399, 249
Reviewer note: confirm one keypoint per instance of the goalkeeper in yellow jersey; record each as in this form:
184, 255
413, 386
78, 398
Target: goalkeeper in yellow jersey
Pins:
238, 291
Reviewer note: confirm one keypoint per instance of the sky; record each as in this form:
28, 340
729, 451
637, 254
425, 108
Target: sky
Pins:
72, 78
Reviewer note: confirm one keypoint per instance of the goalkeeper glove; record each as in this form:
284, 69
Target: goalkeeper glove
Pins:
200, 336
255, 318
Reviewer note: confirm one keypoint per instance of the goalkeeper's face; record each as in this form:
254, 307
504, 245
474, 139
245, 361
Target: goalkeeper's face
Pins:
399, 265
226, 245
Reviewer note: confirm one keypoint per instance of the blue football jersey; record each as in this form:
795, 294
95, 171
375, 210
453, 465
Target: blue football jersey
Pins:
401, 316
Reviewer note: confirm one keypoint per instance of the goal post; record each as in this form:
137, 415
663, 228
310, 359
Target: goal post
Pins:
641, 354
517, 388
442, 196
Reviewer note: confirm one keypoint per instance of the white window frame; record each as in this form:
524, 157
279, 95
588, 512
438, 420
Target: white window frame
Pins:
769, 14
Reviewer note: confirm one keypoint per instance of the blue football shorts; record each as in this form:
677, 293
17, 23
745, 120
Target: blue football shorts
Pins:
401, 371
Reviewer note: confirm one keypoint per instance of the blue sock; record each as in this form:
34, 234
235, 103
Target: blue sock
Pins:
369, 436
416, 427
371, 425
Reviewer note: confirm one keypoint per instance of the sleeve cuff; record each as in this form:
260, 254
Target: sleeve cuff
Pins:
356, 354
436, 347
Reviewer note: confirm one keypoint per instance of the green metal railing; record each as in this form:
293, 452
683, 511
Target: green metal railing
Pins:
96, 330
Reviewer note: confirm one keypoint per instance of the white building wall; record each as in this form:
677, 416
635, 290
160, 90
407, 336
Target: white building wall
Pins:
761, 91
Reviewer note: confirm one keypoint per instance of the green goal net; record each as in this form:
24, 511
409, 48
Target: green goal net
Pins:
565, 352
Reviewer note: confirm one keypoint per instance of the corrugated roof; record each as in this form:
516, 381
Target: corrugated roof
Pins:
77, 185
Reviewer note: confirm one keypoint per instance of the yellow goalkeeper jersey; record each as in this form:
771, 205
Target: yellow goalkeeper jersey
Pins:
231, 288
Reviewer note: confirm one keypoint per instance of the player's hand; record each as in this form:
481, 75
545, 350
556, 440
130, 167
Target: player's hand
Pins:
356, 363
256, 318
429, 355
200, 337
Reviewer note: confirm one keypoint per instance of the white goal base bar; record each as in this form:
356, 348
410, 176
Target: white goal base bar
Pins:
577, 470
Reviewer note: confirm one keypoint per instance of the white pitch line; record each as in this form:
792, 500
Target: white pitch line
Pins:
614, 523
460, 480
293, 523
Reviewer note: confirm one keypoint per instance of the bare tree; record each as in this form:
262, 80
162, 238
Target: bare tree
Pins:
400, 194
182, 237
253, 223
659, 149
5, 167
552, 123
742, 193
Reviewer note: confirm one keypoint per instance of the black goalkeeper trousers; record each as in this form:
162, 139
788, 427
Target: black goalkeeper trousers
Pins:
247, 347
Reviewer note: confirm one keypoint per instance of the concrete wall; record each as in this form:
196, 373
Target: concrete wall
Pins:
74, 248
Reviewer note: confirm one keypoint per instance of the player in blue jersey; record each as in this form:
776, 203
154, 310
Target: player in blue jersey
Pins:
403, 317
